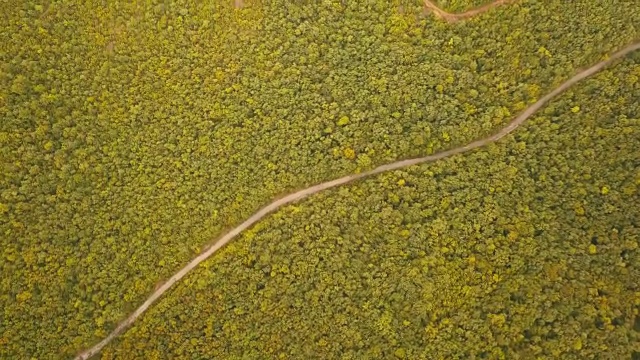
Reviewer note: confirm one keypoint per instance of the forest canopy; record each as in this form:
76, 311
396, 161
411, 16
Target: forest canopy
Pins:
526, 249
132, 134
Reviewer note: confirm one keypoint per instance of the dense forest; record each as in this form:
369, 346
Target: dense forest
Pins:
526, 249
132, 134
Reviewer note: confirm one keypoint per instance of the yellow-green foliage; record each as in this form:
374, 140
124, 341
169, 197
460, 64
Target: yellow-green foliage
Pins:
477, 256
455, 6
132, 133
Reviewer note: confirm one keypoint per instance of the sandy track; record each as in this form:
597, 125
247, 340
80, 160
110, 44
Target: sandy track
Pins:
343, 180
288, 199
465, 15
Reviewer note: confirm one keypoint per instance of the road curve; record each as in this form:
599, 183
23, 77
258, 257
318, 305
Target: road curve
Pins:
450, 17
343, 180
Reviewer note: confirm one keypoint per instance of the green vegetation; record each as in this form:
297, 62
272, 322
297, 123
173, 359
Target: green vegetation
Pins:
525, 249
456, 6
132, 134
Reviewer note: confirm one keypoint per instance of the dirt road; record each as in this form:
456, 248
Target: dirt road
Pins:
344, 180
449, 17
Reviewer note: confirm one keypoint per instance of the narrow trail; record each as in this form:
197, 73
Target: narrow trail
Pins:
291, 198
449, 17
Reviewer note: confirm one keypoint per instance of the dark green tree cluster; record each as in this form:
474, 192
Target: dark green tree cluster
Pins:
133, 133
527, 249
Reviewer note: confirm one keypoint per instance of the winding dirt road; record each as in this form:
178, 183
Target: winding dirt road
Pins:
449, 17
343, 180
